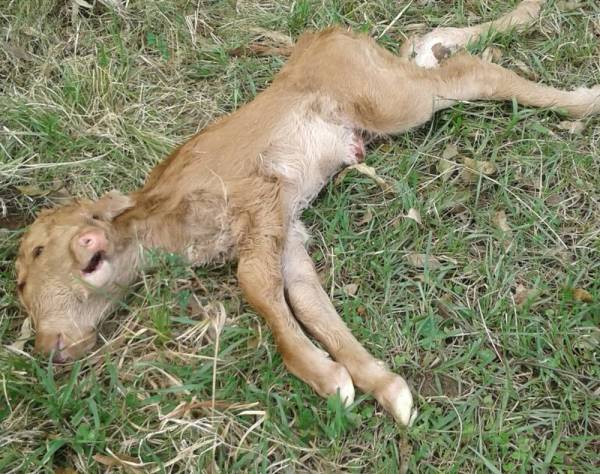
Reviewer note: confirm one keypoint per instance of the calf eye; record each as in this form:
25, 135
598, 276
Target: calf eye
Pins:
38, 251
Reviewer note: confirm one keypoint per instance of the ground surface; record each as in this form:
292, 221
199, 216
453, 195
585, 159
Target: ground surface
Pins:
498, 333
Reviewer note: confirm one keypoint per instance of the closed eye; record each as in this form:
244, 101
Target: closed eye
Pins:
37, 251
21, 286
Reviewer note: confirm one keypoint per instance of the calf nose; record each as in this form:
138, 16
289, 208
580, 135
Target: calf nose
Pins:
93, 240
54, 343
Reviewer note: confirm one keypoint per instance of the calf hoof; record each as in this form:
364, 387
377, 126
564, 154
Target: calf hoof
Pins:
585, 101
396, 398
337, 380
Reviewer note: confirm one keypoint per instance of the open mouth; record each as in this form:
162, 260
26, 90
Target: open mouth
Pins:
94, 262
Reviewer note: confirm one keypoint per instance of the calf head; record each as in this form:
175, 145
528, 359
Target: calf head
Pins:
71, 264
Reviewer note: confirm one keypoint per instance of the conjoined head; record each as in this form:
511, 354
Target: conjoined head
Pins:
71, 264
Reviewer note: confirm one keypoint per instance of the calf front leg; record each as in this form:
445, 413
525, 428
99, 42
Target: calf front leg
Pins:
313, 308
259, 274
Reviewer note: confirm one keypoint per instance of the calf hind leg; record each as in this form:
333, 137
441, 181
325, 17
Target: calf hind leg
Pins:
403, 96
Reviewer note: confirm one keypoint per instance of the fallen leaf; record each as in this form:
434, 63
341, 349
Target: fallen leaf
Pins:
275, 36
253, 342
450, 152
525, 70
491, 54
24, 335
415, 215
569, 5
421, 260
416, 27
361, 310
484, 167
456, 201
366, 218
573, 127
524, 295
32, 190
473, 169
443, 306
588, 342
214, 313
500, 221
371, 173
64, 470
579, 294
128, 463
351, 289
16, 51
83, 3
118, 4
445, 168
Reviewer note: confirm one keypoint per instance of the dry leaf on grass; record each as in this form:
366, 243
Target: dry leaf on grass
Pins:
573, 127
64, 470
500, 222
569, 5
268, 43
579, 294
473, 168
491, 54
366, 218
16, 52
351, 289
369, 171
275, 36
484, 167
524, 295
82, 3
214, 313
24, 335
450, 152
525, 70
128, 463
118, 4
32, 190
415, 215
421, 260
445, 168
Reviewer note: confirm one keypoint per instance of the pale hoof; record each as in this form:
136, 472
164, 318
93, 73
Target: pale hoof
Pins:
338, 380
396, 398
345, 386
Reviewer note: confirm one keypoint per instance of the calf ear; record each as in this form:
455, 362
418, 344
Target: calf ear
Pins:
112, 204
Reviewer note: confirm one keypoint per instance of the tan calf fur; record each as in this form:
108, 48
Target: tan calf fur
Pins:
235, 191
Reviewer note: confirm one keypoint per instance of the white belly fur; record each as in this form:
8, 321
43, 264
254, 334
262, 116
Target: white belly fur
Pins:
307, 151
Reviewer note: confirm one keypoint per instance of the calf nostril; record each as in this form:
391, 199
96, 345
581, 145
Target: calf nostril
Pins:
59, 358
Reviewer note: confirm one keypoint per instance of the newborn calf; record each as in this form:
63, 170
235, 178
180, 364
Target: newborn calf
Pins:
236, 190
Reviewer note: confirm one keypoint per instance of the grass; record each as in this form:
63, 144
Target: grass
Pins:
496, 341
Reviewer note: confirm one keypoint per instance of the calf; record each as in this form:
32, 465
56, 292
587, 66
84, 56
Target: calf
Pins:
236, 191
